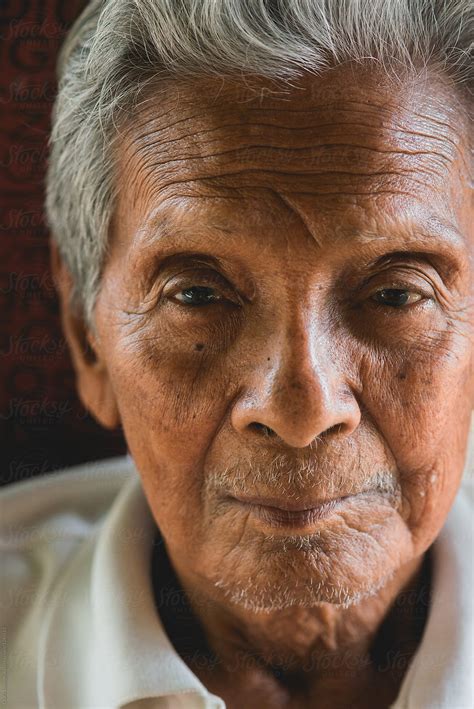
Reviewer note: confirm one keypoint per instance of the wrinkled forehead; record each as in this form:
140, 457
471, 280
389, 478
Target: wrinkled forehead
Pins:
329, 144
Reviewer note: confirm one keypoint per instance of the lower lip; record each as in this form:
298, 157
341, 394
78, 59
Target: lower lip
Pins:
276, 517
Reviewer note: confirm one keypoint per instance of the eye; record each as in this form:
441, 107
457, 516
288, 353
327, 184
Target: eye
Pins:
204, 290
198, 296
398, 298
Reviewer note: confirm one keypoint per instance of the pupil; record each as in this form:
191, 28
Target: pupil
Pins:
198, 295
393, 294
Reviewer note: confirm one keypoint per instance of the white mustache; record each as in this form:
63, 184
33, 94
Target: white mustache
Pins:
280, 477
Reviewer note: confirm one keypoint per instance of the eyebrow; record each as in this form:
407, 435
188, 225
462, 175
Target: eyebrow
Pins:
433, 230
163, 228
432, 238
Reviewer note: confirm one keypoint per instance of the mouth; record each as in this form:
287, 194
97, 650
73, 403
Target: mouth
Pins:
285, 513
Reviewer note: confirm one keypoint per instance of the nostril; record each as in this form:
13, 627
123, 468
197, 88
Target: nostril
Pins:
261, 428
331, 431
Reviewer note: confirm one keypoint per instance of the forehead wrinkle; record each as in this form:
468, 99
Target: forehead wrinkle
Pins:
319, 96
246, 137
197, 162
186, 158
215, 119
156, 189
155, 177
258, 145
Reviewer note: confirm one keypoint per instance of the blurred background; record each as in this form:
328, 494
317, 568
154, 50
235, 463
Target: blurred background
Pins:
43, 426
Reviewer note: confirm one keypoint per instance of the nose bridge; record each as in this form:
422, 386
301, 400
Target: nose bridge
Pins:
303, 378
302, 393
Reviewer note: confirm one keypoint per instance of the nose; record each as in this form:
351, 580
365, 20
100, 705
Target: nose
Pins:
303, 396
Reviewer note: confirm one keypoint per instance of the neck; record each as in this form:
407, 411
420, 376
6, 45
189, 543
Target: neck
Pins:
378, 636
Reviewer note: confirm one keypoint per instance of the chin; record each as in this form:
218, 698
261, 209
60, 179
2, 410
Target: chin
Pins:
340, 569
266, 598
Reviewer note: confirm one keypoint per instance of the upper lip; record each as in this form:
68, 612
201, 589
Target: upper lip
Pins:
285, 504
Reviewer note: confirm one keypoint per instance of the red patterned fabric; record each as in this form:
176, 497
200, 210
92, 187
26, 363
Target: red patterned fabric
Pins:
43, 426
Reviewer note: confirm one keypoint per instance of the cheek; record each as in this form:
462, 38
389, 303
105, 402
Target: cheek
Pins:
171, 406
422, 407
171, 392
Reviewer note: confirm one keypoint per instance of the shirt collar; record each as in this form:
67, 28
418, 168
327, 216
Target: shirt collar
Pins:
441, 673
104, 622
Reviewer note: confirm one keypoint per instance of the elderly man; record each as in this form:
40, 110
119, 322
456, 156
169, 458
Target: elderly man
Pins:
264, 249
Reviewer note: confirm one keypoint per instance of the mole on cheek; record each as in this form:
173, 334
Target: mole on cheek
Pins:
199, 346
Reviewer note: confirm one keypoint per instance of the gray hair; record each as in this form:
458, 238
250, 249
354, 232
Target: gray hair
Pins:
118, 48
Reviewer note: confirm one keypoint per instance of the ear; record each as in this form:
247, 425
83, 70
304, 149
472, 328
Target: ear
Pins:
92, 378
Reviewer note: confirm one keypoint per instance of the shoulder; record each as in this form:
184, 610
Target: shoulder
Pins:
44, 525
466, 490
85, 489
44, 516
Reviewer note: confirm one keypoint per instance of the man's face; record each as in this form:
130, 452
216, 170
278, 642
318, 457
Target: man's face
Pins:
287, 312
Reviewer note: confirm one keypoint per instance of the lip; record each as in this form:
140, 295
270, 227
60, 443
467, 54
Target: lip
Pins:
285, 513
283, 504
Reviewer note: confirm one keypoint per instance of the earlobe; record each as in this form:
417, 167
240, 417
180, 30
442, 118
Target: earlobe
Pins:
97, 396
93, 382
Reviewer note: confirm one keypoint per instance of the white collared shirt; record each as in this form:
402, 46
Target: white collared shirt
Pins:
79, 626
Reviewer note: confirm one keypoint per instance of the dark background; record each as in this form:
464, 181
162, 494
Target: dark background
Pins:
43, 426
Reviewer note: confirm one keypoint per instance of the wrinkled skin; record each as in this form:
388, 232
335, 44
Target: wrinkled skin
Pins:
282, 206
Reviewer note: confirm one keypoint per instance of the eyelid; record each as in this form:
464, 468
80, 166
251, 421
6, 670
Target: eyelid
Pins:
195, 278
402, 285
199, 276
400, 276
446, 267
